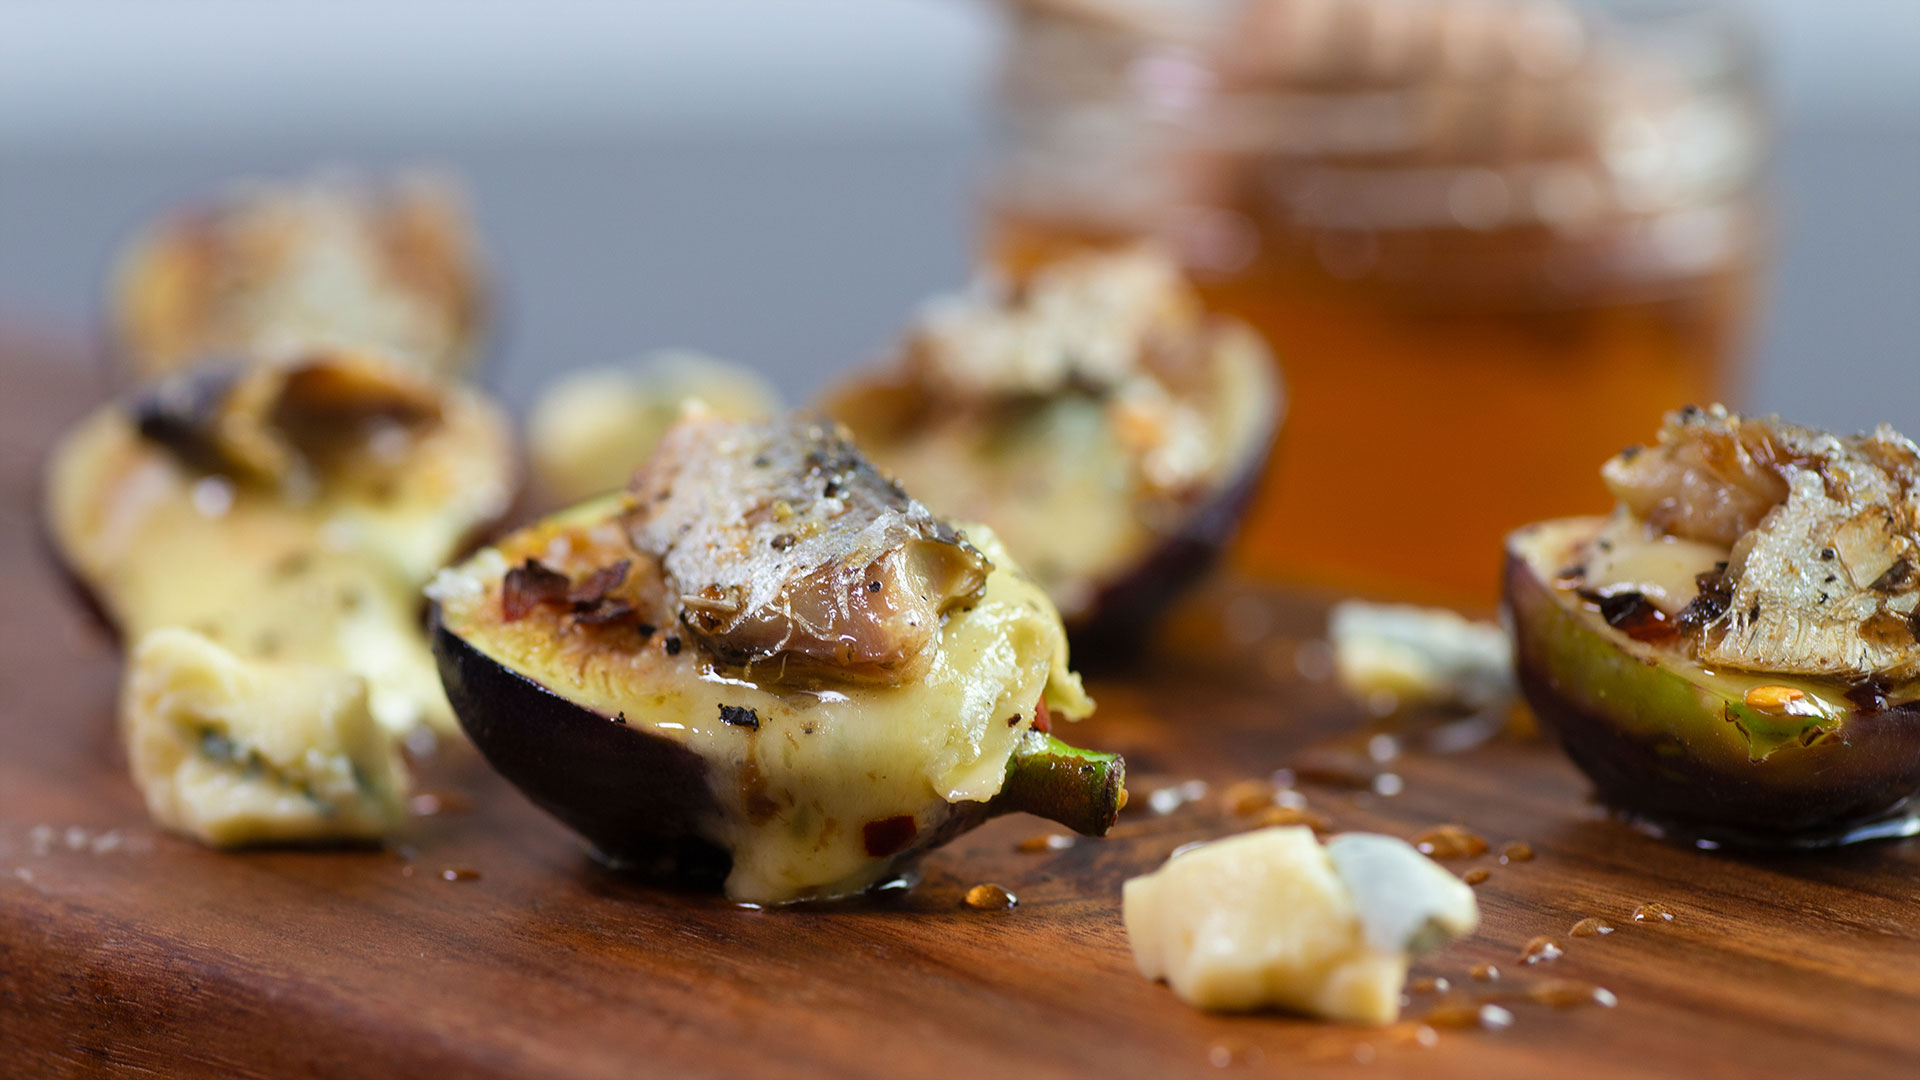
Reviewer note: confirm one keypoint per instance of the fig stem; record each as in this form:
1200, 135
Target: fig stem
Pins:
1081, 789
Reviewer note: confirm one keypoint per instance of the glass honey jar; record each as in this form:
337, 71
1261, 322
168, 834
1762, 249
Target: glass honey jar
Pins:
1489, 241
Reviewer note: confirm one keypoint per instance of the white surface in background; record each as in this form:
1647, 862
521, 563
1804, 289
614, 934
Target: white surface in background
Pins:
86, 73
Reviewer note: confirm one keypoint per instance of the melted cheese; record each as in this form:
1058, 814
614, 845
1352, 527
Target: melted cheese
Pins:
1628, 556
590, 429
1079, 487
796, 791
232, 752
329, 579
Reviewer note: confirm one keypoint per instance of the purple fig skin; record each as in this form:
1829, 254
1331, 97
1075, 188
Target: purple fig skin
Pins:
636, 797
1689, 775
640, 800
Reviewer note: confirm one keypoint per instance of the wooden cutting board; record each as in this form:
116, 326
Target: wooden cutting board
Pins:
125, 950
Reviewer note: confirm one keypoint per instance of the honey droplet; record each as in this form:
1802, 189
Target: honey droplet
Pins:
1222, 1055
1450, 842
435, 803
1467, 1013
1166, 800
1567, 993
1652, 912
1540, 950
1591, 927
990, 897
1329, 1048
459, 873
1289, 815
1518, 851
1247, 796
1040, 842
1429, 984
1414, 1035
1476, 875
1774, 699
1483, 972
1453, 1014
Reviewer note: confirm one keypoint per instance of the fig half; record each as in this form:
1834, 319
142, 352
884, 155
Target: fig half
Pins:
287, 511
1107, 427
766, 665
1723, 755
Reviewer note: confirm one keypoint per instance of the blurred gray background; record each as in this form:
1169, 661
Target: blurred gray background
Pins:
779, 182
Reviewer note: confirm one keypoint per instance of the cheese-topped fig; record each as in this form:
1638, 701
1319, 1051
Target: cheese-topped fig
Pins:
1105, 426
766, 663
288, 511
388, 265
1272, 918
590, 428
1735, 652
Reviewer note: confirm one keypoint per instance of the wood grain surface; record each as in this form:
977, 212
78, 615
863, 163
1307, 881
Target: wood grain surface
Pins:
123, 950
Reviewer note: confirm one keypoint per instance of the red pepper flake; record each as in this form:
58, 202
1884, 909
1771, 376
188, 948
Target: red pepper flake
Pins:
1041, 721
889, 836
595, 587
529, 585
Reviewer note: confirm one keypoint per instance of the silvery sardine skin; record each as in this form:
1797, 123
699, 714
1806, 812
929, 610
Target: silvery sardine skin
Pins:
1823, 534
779, 540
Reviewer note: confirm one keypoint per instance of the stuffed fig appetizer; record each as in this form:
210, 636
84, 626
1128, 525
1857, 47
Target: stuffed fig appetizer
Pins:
1733, 653
1106, 427
288, 510
258, 533
392, 265
765, 662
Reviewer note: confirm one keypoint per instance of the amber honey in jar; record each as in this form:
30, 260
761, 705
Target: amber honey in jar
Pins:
1490, 241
